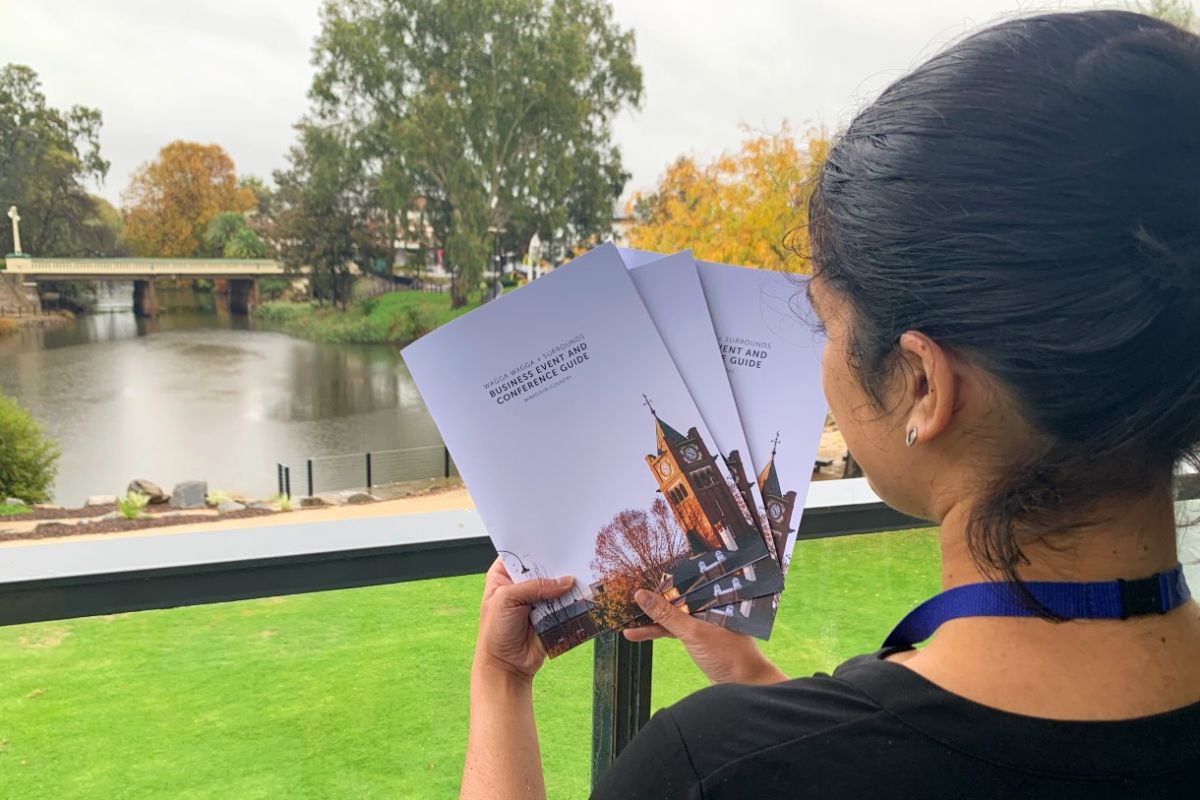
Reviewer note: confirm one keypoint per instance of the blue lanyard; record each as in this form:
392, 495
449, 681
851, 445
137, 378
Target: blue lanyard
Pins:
1117, 599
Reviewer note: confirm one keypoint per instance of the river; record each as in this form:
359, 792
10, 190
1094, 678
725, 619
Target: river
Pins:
206, 396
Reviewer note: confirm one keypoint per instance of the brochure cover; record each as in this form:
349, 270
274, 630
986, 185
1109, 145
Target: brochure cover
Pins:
772, 353
670, 289
581, 445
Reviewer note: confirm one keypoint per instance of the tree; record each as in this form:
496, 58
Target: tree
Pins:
28, 458
1176, 12
497, 112
324, 217
748, 207
228, 235
171, 200
632, 551
47, 158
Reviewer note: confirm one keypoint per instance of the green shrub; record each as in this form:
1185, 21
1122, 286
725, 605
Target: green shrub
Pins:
216, 497
130, 506
284, 502
273, 288
13, 510
282, 312
28, 458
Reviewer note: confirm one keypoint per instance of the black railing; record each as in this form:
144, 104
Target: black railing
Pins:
367, 470
130, 578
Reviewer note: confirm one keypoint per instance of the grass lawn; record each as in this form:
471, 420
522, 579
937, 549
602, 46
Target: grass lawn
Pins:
396, 317
8, 510
359, 693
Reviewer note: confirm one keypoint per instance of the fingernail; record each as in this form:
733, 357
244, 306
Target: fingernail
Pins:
565, 581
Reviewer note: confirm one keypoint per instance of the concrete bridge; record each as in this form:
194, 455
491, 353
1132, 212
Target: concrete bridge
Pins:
242, 275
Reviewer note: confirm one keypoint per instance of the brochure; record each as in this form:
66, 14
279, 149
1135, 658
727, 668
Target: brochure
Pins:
772, 352
670, 289
582, 447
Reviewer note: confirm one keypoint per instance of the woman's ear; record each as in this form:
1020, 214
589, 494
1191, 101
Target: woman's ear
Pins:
933, 388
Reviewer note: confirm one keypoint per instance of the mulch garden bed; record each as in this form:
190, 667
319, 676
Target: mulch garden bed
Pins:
89, 511
117, 525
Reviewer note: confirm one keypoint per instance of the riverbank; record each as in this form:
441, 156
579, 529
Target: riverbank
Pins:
415, 497
60, 319
393, 318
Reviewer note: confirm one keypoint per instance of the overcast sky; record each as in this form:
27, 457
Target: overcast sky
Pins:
236, 72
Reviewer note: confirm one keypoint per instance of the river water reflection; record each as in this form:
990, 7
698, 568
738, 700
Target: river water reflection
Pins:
204, 396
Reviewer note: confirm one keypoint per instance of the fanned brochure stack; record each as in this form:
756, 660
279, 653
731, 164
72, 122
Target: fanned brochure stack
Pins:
637, 421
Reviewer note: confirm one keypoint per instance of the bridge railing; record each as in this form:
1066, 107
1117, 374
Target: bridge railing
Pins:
143, 267
70, 579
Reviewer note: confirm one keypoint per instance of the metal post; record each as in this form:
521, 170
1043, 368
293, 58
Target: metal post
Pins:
287, 482
621, 675
446, 464
279, 476
310, 480
369, 483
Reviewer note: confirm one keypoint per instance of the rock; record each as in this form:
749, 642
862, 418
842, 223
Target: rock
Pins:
15, 501
359, 498
189, 494
263, 505
230, 505
101, 500
150, 489
110, 516
313, 502
244, 499
47, 507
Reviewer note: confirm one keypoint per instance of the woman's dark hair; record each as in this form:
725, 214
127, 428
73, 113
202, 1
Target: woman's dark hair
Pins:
1030, 198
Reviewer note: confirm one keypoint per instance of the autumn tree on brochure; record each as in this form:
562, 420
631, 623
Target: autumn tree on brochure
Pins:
633, 550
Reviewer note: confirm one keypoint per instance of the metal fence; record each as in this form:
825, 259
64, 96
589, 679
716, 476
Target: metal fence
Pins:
365, 470
19, 311
91, 578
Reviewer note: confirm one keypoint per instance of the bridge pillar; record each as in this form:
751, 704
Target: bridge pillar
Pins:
145, 299
243, 295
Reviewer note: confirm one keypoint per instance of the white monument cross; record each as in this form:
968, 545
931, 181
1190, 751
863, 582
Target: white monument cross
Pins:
16, 218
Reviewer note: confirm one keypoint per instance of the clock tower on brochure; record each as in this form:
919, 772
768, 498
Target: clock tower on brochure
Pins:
695, 489
780, 505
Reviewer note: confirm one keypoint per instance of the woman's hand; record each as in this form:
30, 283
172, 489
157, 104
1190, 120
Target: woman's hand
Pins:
503, 759
507, 640
722, 655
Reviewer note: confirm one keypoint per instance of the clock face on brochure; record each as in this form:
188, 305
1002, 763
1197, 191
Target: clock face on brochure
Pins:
664, 468
691, 453
775, 510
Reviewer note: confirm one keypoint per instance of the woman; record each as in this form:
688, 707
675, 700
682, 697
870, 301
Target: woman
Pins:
1006, 251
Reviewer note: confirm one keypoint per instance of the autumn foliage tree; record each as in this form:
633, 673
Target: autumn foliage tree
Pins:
172, 199
632, 552
739, 208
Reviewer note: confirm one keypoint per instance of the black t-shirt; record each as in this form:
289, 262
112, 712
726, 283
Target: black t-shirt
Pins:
877, 729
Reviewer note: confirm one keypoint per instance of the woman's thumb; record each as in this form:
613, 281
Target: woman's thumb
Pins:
662, 612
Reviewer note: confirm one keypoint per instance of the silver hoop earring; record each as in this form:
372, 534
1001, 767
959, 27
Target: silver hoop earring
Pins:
911, 439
